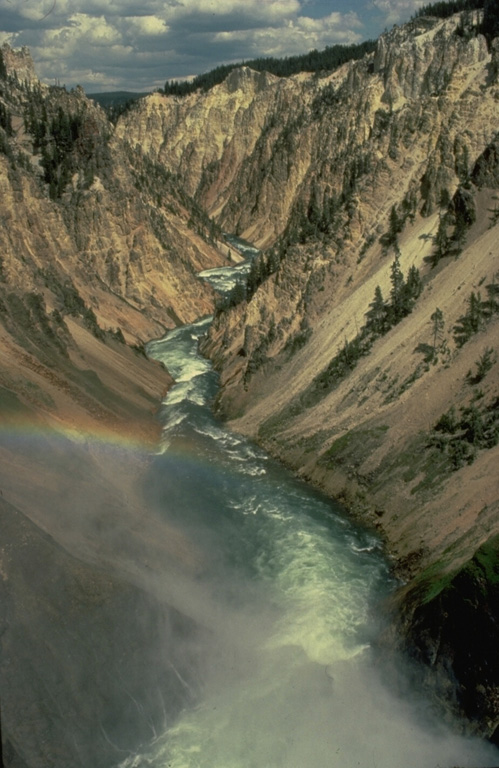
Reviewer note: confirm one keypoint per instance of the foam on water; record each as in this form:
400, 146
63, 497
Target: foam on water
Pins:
290, 590
222, 279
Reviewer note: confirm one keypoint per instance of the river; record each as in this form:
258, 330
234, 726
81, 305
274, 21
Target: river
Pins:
289, 591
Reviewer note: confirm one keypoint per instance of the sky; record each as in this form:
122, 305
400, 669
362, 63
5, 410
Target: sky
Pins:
107, 45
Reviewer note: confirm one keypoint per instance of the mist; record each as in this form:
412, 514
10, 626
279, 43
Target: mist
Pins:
274, 689
200, 607
197, 608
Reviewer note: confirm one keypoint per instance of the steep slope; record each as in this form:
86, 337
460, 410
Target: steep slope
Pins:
375, 188
264, 153
98, 245
112, 217
378, 398
98, 253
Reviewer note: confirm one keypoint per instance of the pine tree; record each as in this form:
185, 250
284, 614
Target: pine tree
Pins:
444, 199
5, 120
255, 276
476, 311
472, 423
490, 24
492, 303
377, 321
3, 68
438, 324
471, 322
394, 228
397, 293
412, 289
465, 214
409, 205
441, 241
238, 293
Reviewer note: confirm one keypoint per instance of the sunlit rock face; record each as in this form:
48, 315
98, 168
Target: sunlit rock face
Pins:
344, 175
99, 252
340, 174
19, 63
256, 149
79, 203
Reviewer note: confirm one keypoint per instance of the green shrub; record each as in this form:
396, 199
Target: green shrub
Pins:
483, 365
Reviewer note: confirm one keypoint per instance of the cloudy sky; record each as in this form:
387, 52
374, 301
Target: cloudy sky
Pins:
108, 45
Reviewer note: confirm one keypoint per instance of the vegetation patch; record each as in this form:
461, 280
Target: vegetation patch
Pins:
419, 463
354, 447
26, 317
380, 318
433, 580
458, 437
324, 61
482, 571
116, 103
483, 365
478, 313
443, 9
455, 441
486, 561
396, 392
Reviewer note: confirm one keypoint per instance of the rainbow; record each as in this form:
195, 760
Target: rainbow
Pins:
29, 436
25, 430
85, 484
24, 422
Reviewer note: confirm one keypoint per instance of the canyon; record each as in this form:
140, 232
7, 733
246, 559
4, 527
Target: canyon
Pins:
355, 184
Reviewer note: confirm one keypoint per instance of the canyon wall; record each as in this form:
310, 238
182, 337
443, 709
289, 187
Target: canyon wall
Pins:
364, 355
99, 252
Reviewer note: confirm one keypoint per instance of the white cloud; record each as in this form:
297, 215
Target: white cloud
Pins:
93, 31
120, 44
270, 11
146, 26
37, 12
296, 36
398, 10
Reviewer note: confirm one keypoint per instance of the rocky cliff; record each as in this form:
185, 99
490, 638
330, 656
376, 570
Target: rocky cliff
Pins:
99, 251
99, 248
365, 353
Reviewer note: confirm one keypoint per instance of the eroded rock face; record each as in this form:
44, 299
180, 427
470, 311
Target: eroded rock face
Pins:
409, 132
99, 252
257, 151
117, 224
448, 624
353, 152
341, 173
19, 63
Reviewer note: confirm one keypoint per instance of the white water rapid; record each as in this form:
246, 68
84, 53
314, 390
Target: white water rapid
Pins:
289, 593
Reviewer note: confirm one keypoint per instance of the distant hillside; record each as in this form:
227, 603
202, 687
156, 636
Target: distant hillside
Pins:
115, 98
444, 9
363, 351
332, 57
314, 61
116, 103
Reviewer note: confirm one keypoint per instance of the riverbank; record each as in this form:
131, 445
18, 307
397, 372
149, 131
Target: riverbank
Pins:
399, 439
